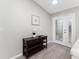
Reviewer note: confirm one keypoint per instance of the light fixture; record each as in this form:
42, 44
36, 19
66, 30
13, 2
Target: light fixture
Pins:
55, 2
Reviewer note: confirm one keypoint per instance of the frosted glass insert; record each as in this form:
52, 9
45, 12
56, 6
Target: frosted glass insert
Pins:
59, 30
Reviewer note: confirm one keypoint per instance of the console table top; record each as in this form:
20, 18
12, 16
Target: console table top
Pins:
33, 38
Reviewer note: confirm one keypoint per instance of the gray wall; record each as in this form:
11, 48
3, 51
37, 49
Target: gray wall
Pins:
15, 24
72, 10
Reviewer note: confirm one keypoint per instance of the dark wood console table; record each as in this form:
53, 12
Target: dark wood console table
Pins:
33, 45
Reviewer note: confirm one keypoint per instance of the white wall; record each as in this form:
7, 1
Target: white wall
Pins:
68, 11
15, 24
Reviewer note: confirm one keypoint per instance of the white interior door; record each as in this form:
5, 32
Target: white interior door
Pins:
66, 35
64, 29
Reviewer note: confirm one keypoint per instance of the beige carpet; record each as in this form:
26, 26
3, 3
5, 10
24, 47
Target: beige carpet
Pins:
54, 51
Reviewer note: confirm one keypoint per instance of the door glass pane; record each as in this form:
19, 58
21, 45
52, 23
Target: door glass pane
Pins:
59, 30
70, 29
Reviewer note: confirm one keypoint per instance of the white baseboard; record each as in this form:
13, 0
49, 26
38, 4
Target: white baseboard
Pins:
14, 57
50, 42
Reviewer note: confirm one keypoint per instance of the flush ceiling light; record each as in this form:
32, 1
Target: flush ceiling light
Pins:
55, 2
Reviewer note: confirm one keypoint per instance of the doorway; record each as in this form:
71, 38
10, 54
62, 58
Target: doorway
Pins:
64, 29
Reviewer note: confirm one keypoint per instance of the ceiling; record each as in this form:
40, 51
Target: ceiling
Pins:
62, 5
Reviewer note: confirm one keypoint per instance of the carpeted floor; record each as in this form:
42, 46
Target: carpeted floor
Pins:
54, 51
